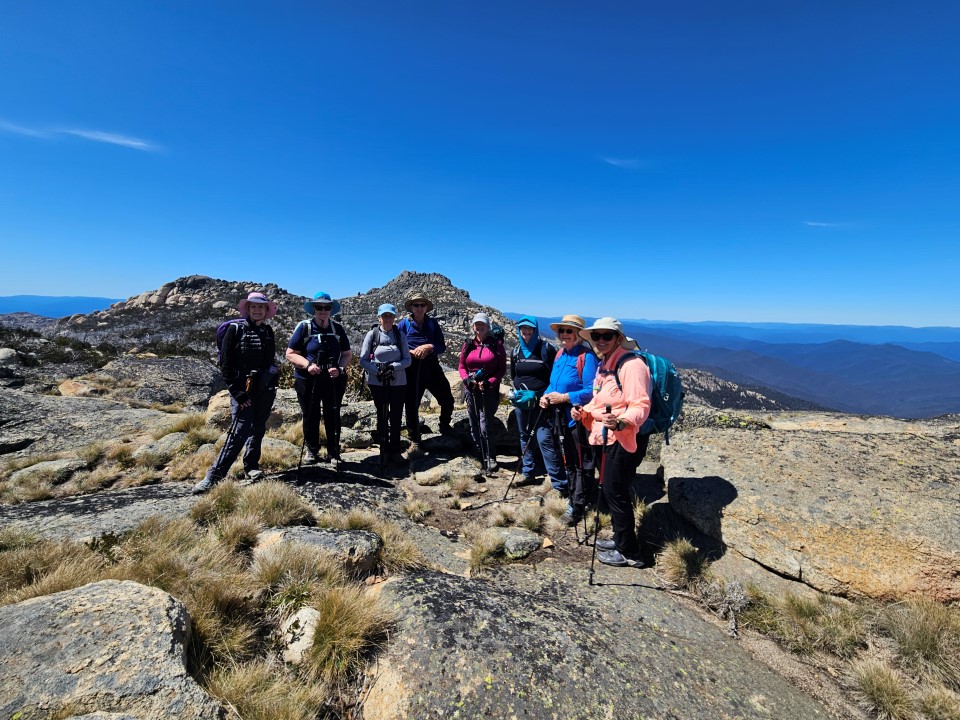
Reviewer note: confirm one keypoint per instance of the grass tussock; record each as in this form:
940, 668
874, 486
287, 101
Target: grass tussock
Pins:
927, 638
939, 703
882, 690
14, 464
291, 433
486, 550
530, 517
121, 454
239, 531
417, 510
277, 505
92, 453
680, 564
261, 691
191, 466
184, 424
502, 516
292, 574
350, 625
555, 506
31, 568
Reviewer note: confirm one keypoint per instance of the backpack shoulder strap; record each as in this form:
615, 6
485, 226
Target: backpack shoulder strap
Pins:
396, 336
581, 361
623, 358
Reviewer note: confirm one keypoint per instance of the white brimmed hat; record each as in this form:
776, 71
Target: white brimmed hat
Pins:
609, 323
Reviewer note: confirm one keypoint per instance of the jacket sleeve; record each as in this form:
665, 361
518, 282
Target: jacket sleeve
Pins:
230, 367
462, 365
635, 378
585, 394
439, 344
405, 358
366, 347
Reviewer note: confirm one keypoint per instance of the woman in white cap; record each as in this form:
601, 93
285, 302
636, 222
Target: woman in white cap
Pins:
483, 362
248, 366
319, 351
620, 405
571, 384
385, 356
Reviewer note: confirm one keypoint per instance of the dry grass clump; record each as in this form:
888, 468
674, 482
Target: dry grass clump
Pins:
939, 703
292, 573
807, 624
530, 517
680, 564
121, 454
221, 501
31, 568
487, 550
457, 487
277, 505
184, 424
239, 531
261, 691
417, 510
927, 638
882, 689
291, 433
11, 466
198, 437
502, 516
153, 459
93, 453
555, 506
399, 551
351, 623
191, 466
139, 476
277, 459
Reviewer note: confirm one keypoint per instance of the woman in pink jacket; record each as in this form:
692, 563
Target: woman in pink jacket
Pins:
611, 419
483, 362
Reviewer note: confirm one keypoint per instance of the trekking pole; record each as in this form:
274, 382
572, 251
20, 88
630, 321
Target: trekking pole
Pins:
596, 509
337, 424
523, 451
382, 413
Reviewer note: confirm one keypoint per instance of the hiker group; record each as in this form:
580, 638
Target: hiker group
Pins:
584, 412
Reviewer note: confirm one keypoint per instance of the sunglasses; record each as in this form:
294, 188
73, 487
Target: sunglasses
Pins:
322, 307
418, 304
606, 337
566, 331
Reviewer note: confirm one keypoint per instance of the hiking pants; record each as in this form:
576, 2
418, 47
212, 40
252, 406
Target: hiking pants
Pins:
320, 396
532, 460
482, 408
249, 426
547, 447
426, 374
580, 468
618, 469
389, 404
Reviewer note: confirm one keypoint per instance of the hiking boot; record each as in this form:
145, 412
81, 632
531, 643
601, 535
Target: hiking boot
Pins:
203, 486
613, 557
526, 480
311, 457
606, 545
571, 516
254, 474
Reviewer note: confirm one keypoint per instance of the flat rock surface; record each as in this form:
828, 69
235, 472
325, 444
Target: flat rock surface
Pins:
539, 643
848, 505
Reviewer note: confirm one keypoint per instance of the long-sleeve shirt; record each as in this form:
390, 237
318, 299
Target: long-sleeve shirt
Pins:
245, 349
631, 404
381, 347
491, 360
429, 332
565, 378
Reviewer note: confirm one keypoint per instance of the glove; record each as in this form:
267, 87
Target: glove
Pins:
384, 373
241, 397
471, 382
523, 399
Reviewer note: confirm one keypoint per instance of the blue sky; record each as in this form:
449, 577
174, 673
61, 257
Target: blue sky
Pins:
743, 161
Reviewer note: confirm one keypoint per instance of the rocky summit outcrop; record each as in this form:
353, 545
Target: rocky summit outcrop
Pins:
541, 643
109, 646
855, 506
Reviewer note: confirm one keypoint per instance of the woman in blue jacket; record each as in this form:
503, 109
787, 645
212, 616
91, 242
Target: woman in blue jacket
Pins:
571, 383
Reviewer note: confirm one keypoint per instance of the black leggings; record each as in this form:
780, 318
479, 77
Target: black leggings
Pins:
320, 396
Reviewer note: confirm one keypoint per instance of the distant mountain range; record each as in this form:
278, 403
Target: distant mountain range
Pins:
899, 371
53, 306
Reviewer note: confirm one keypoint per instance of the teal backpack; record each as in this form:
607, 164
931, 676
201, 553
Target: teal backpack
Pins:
666, 401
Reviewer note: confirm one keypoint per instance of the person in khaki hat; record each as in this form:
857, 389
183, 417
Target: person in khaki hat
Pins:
612, 418
571, 384
426, 342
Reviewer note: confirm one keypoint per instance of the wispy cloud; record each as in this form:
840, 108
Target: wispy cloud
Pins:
625, 163
92, 135
814, 223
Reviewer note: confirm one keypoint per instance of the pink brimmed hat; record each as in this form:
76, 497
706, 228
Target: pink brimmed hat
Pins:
260, 299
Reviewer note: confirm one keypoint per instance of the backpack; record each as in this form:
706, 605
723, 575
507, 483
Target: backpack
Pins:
376, 338
544, 354
666, 400
498, 332
222, 332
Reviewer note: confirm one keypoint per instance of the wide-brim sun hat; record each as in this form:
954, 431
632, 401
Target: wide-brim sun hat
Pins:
571, 321
480, 317
387, 309
417, 297
324, 299
260, 299
609, 323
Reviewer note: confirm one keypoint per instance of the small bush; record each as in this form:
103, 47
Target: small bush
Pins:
882, 689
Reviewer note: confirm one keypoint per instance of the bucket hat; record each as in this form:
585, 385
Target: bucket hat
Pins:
571, 321
387, 308
260, 299
609, 323
414, 297
324, 299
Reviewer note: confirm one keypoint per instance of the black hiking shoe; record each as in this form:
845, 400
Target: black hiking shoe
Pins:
606, 545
